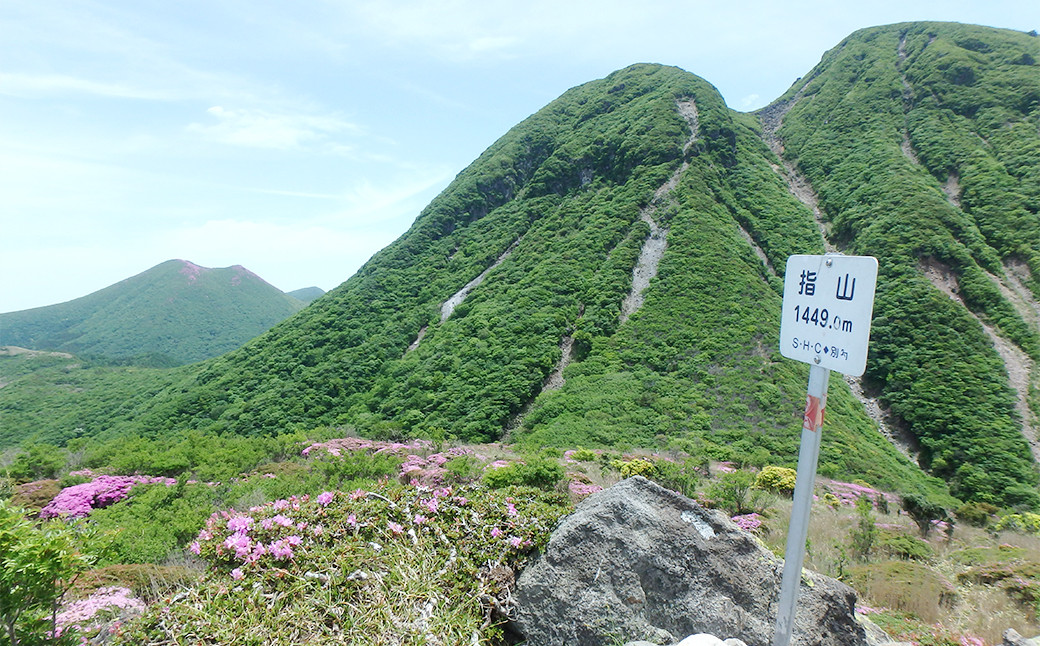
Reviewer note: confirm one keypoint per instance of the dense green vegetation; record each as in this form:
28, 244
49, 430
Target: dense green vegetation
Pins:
172, 314
967, 99
353, 541
55, 398
558, 202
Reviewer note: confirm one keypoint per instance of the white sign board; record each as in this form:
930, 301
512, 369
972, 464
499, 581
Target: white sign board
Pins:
828, 302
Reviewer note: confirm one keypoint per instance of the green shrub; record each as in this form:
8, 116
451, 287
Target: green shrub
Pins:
976, 514
154, 522
583, 455
987, 555
635, 467
680, 476
39, 566
779, 480
735, 492
924, 512
865, 532
533, 472
904, 546
37, 462
463, 468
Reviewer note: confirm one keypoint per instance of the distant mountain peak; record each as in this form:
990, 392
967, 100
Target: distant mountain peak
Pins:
191, 270
177, 309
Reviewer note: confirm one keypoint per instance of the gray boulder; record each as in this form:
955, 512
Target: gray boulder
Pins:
639, 562
1013, 638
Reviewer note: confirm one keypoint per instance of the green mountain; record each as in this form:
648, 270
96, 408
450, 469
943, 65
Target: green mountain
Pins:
174, 313
307, 294
609, 273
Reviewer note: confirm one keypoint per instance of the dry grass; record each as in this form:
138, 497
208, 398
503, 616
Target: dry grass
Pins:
929, 591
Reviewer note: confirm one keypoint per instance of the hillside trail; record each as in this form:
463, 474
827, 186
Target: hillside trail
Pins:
771, 117
645, 269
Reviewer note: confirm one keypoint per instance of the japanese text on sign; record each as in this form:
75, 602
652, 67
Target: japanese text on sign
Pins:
828, 303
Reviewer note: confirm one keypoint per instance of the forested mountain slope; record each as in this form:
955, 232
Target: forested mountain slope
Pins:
922, 143
175, 312
509, 306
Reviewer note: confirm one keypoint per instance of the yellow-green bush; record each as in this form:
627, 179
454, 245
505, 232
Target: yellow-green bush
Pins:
634, 467
1025, 522
776, 479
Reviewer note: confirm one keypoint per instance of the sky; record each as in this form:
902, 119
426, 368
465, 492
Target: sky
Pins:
299, 138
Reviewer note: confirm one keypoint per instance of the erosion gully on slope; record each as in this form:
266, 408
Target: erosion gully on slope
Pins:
1018, 365
771, 118
646, 266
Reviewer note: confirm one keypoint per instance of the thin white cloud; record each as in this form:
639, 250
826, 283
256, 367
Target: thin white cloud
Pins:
35, 85
263, 129
449, 29
750, 102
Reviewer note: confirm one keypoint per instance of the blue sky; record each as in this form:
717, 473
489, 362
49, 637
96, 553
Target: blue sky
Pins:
297, 139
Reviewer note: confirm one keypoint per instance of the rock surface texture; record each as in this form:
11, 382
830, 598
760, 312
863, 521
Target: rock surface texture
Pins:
639, 562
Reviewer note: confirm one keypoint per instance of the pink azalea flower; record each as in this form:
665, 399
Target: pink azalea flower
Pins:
495, 532
394, 527
515, 541
236, 574
325, 498
511, 509
239, 524
281, 550
352, 520
258, 551
195, 548
240, 543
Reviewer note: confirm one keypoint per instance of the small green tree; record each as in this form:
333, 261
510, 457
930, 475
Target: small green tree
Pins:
37, 567
923, 512
864, 535
735, 493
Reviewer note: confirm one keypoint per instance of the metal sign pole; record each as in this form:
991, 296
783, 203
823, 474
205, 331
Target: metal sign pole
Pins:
808, 454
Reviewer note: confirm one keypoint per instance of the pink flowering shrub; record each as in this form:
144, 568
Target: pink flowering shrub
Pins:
582, 489
419, 465
847, 493
102, 491
281, 532
99, 610
748, 522
401, 549
349, 444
